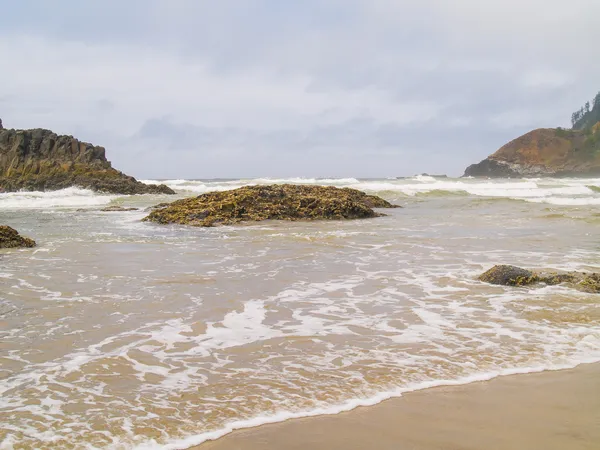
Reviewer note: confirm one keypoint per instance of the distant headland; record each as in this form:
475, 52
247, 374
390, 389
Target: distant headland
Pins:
549, 152
40, 160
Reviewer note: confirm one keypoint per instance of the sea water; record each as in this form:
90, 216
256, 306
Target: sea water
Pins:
121, 334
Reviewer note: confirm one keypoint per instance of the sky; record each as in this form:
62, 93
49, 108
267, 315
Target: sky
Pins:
283, 88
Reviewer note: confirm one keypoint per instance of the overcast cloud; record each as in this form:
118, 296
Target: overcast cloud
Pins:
244, 88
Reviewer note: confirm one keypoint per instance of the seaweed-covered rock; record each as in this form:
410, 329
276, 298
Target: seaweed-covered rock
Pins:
10, 238
590, 282
40, 160
275, 202
516, 276
508, 276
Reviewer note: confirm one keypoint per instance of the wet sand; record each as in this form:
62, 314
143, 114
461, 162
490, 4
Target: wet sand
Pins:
548, 411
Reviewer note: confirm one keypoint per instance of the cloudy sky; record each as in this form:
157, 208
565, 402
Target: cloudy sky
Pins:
246, 88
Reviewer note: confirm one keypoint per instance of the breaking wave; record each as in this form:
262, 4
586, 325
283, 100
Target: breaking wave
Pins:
566, 192
65, 198
558, 192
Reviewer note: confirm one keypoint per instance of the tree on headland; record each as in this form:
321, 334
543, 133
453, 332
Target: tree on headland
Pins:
587, 116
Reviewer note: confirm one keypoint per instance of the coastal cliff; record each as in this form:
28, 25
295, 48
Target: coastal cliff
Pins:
544, 152
549, 152
40, 160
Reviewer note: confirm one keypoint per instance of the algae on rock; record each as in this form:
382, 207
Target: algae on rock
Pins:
10, 238
272, 202
515, 276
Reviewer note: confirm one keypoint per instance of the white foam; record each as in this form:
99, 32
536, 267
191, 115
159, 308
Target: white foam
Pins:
566, 201
424, 178
203, 186
185, 443
65, 198
564, 192
553, 191
169, 182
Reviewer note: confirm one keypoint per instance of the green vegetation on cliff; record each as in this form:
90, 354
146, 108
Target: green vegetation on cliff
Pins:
549, 151
588, 115
274, 202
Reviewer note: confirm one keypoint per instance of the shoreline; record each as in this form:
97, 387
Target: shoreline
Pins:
553, 409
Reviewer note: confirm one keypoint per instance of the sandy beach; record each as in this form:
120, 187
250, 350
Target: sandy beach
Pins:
550, 410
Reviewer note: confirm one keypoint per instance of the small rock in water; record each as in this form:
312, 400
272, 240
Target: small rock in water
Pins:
516, 276
118, 208
10, 238
508, 276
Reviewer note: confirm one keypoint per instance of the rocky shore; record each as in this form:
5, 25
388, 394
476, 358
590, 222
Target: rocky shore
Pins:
40, 160
10, 238
274, 202
507, 275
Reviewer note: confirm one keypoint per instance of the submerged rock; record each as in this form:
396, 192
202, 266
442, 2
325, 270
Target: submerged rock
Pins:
118, 208
10, 238
515, 276
273, 202
508, 276
40, 160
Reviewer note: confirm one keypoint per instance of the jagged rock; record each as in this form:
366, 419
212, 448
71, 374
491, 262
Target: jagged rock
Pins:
118, 208
274, 202
41, 160
508, 276
10, 238
515, 276
1, 126
546, 152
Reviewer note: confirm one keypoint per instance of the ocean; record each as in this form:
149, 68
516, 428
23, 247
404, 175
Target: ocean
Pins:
121, 334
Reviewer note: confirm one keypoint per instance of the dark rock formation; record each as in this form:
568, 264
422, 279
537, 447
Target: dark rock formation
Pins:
516, 276
276, 202
508, 276
10, 238
1, 126
41, 160
546, 152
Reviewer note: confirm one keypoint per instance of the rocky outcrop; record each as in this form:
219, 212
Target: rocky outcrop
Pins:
515, 276
546, 152
10, 238
274, 202
40, 160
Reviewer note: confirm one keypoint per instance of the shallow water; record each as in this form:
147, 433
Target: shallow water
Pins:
122, 334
